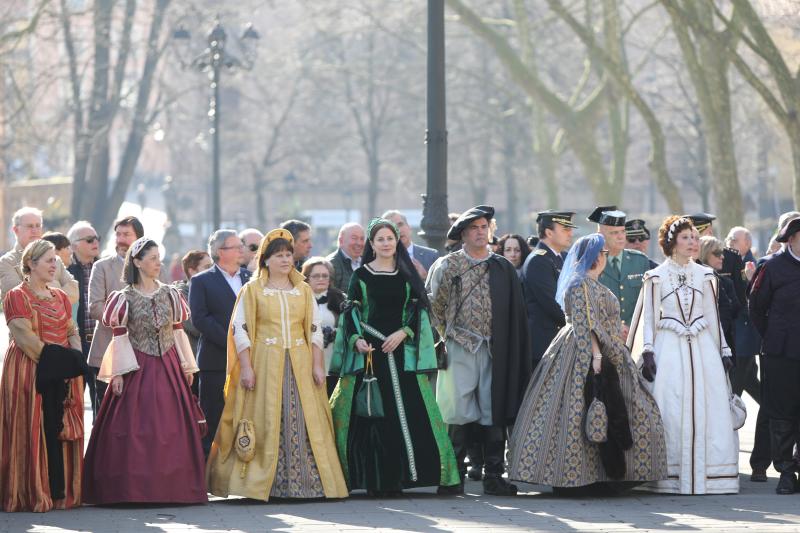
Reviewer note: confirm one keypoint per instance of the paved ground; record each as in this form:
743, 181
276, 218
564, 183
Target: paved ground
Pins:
755, 509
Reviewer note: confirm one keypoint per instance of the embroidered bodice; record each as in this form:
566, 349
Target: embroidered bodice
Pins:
150, 320
681, 299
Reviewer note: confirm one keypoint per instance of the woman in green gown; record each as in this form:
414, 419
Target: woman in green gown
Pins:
406, 445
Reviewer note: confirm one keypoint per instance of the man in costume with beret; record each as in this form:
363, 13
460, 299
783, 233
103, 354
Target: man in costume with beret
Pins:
625, 268
477, 305
774, 307
638, 237
540, 276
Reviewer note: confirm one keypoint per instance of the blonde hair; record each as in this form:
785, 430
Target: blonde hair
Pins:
33, 252
708, 245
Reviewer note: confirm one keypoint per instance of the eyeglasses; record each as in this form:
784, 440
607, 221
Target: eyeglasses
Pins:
89, 240
234, 247
31, 226
319, 276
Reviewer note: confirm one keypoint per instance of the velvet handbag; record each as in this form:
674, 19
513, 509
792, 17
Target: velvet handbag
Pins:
369, 403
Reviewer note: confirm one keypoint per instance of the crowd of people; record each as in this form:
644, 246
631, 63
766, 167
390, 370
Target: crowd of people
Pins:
267, 372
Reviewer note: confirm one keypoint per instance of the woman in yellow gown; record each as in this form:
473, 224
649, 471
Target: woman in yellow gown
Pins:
275, 437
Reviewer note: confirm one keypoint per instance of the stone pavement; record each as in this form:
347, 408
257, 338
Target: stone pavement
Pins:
756, 509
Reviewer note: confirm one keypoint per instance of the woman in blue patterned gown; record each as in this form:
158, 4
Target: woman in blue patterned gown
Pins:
549, 444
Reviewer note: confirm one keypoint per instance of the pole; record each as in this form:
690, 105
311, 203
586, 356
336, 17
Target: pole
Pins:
216, 41
434, 212
215, 179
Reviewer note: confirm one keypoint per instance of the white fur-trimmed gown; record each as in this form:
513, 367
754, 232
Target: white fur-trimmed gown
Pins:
677, 318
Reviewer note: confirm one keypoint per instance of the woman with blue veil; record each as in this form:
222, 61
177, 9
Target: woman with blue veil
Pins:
587, 358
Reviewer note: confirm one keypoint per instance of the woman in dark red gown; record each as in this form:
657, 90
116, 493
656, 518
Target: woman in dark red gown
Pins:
145, 444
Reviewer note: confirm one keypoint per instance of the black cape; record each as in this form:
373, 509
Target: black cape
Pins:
56, 364
510, 346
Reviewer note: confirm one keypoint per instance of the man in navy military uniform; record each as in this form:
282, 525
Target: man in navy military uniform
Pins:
638, 237
540, 277
774, 307
625, 268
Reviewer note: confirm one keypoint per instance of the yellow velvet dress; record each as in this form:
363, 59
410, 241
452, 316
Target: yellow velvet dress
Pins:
295, 451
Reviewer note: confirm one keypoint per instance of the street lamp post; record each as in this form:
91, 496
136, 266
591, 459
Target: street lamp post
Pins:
434, 213
212, 60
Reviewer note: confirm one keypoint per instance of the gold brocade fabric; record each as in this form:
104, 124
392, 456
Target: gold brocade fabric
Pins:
279, 329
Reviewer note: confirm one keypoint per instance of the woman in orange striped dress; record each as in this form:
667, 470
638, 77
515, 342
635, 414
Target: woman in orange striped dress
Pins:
37, 316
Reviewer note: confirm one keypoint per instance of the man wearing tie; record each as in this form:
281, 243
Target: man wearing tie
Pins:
625, 268
212, 296
540, 276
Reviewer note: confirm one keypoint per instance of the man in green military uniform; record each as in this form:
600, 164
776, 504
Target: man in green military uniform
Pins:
625, 268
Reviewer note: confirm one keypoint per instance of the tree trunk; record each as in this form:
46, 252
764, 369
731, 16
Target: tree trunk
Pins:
141, 122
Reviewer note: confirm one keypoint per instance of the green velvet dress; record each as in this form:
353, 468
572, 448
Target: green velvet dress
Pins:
408, 446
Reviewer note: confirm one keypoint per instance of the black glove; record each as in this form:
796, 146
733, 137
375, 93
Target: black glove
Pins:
649, 366
727, 363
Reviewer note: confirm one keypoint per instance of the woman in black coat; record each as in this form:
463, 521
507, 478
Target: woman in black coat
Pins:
729, 306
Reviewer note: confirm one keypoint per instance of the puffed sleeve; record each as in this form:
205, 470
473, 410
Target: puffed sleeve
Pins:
19, 317
180, 313
119, 358
16, 305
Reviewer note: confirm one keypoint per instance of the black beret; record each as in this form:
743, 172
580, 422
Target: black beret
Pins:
479, 211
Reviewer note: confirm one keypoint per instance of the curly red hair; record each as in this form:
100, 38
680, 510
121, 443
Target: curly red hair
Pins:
665, 239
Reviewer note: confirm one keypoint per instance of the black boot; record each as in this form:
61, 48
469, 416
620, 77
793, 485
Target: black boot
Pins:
783, 436
494, 449
459, 437
475, 453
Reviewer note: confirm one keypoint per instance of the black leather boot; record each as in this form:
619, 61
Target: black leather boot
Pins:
475, 453
494, 449
783, 436
459, 436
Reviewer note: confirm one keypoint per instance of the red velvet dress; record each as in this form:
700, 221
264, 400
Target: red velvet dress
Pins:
24, 484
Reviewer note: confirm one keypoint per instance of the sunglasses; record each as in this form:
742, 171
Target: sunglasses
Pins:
717, 253
604, 252
632, 240
90, 240
251, 247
